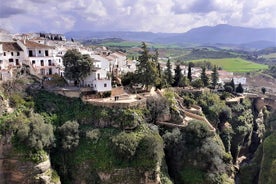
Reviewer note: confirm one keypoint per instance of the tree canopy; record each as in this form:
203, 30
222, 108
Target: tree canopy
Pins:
69, 133
189, 75
147, 72
178, 77
168, 74
204, 77
36, 134
77, 66
215, 76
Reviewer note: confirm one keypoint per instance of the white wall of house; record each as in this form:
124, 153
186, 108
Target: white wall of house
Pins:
5, 75
43, 60
100, 62
98, 80
238, 80
120, 59
10, 59
102, 85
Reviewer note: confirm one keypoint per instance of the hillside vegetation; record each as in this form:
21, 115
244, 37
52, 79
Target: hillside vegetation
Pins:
91, 144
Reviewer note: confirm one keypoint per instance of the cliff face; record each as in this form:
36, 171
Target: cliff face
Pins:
260, 167
15, 169
119, 146
108, 155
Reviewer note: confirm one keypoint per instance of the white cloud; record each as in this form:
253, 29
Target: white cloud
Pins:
134, 15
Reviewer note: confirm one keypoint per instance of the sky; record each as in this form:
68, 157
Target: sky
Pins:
171, 16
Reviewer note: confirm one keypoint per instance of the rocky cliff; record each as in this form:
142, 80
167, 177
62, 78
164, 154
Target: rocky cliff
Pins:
42, 131
15, 168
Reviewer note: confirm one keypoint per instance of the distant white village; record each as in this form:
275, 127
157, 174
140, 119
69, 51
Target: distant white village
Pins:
42, 53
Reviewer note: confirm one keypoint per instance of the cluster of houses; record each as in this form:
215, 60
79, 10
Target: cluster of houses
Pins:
42, 54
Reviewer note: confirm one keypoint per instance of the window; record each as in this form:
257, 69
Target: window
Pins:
41, 63
49, 62
4, 53
42, 72
39, 51
17, 61
46, 53
105, 85
12, 53
30, 53
33, 62
10, 60
18, 53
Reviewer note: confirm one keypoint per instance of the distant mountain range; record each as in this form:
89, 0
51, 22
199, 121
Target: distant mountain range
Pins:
206, 35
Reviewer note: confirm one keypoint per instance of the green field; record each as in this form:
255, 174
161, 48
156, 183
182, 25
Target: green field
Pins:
138, 44
235, 64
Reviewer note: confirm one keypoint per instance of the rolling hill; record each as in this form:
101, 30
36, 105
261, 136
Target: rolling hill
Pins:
241, 37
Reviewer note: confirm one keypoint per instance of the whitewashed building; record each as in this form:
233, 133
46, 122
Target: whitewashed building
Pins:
239, 80
98, 80
11, 57
41, 58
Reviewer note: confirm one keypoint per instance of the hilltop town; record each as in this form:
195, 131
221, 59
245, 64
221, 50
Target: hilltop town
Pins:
42, 54
118, 130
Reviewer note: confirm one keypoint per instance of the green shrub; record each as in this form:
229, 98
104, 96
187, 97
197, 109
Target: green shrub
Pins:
36, 134
192, 176
125, 145
69, 133
93, 135
16, 100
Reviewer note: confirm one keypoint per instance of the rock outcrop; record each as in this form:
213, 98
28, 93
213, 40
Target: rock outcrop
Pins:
16, 169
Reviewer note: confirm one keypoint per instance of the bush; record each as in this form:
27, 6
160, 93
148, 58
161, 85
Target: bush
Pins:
150, 152
192, 176
93, 135
125, 145
69, 133
106, 94
36, 134
16, 100
228, 89
197, 83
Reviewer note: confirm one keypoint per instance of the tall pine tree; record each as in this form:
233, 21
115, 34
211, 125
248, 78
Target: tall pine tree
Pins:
146, 68
189, 75
215, 76
204, 77
168, 74
178, 77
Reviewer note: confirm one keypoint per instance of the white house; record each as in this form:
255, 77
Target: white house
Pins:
11, 57
238, 80
98, 80
41, 58
117, 61
101, 62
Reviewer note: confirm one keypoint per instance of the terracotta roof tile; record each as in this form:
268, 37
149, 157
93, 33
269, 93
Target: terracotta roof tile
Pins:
10, 46
33, 45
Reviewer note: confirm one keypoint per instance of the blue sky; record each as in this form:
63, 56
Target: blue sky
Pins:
172, 16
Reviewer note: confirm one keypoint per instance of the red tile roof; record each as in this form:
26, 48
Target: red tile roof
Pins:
10, 46
33, 45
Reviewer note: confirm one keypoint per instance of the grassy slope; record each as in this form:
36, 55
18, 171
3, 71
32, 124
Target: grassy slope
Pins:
235, 64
